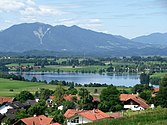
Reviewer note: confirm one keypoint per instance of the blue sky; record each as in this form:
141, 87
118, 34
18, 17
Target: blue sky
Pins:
129, 18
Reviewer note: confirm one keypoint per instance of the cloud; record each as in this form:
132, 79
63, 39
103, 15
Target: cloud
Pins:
30, 2
37, 12
40, 11
10, 5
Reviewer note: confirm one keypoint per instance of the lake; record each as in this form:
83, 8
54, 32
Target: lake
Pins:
85, 78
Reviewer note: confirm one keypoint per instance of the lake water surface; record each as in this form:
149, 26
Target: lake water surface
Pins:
85, 78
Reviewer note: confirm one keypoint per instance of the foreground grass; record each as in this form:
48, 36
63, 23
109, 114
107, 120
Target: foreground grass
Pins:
7, 85
152, 117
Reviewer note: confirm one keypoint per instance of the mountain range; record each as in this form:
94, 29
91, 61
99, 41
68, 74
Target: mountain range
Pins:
38, 37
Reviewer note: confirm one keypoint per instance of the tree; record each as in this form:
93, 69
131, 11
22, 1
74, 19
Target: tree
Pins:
155, 80
110, 68
59, 94
85, 99
95, 91
21, 114
140, 88
109, 98
57, 115
72, 90
144, 78
44, 93
4, 69
34, 79
146, 95
161, 97
24, 96
38, 108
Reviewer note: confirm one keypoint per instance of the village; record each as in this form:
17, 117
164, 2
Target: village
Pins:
77, 109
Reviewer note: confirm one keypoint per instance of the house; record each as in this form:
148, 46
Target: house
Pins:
133, 102
6, 99
11, 105
9, 115
69, 97
75, 117
37, 120
29, 103
49, 101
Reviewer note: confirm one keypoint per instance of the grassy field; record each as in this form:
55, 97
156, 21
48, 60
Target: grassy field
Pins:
17, 86
151, 117
22, 64
71, 69
160, 75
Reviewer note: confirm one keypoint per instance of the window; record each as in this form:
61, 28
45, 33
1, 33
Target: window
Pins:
75, 120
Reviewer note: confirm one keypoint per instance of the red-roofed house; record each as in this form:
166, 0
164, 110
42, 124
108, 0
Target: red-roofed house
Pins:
69, 97
6, 99
75, 117
38, 120
66, 97
133, 102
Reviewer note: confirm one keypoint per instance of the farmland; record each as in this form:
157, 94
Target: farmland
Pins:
10, 88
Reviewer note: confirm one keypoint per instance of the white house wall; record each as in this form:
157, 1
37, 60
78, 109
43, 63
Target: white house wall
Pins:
82, 120
4, 108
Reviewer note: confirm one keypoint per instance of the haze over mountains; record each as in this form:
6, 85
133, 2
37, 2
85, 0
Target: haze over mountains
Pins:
74, 40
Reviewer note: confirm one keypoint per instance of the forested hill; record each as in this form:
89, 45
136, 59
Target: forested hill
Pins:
73, 40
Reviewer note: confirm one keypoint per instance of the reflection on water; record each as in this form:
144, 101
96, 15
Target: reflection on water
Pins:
85, 78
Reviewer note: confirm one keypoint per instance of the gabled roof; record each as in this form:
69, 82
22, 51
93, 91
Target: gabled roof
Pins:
38, 120
71, 112
140, 101
66, 97
116, 115
11, 113
15, 104
69, 97
30, 102
124, 97
134, 97
52, 97
6, 99
92, 115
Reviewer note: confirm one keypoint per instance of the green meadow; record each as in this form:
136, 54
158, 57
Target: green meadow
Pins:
10, 88
72, 69
148, 117
22, 64
160, 74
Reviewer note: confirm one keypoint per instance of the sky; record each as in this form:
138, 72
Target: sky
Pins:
128, 18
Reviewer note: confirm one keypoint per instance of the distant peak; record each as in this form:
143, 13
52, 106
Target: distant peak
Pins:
75, 26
